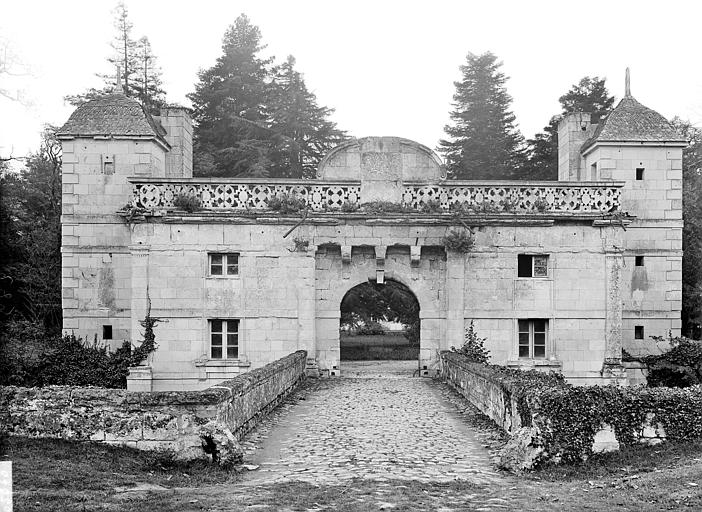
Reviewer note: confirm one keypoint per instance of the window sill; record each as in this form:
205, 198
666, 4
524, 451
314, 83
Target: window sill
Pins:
534, 363
223, 277
215, 363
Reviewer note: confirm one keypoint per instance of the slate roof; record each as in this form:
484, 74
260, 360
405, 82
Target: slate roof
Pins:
112, 115
630, 121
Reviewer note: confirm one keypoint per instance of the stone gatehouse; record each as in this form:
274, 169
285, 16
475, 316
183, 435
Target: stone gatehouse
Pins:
561, 275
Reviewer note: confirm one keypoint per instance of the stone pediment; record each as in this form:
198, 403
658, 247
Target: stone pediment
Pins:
382, 165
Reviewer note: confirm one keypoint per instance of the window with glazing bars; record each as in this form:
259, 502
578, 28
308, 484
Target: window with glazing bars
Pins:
532, 265
224, 264
224, 339
532, 338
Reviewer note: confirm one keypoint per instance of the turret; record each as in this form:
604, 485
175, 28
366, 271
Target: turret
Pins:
105, 142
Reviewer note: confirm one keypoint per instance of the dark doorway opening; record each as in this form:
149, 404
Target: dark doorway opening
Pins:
379, 322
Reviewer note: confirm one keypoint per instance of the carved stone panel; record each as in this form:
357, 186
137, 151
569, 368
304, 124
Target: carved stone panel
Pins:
381, 177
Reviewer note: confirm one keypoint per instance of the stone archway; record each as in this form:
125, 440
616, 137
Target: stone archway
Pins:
380, 322
335, 275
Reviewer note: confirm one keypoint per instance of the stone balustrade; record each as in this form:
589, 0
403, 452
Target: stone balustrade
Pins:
480, 197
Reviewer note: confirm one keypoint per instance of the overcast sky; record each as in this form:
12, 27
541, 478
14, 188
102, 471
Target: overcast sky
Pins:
387, 67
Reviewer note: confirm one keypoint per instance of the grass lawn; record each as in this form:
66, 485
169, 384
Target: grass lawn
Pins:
62, 475
368, 347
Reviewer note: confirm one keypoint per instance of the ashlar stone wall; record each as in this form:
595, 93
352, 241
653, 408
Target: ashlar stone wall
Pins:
572, 298
651, 286
96, 260
271, 296
287, 298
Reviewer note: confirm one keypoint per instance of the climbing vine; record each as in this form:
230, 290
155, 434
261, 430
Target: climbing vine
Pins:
458, 241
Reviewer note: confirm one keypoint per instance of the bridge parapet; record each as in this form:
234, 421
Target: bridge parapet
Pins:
239, 194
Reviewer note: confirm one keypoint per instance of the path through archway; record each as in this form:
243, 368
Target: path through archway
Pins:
379, 322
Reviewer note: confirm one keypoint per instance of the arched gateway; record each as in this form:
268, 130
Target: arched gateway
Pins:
547, 272
380, 322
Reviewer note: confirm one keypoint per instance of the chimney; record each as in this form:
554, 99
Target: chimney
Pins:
573, 130
179, 134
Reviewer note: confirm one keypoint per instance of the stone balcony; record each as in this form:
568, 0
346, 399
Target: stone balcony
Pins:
488, 197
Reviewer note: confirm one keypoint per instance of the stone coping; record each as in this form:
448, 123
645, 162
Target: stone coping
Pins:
312, 181
388, 219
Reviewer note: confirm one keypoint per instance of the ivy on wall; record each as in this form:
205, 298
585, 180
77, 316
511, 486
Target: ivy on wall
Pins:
568, 417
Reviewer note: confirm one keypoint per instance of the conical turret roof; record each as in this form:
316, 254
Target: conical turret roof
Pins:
630, 121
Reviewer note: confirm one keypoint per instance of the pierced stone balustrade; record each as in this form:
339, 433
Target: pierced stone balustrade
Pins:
225, 194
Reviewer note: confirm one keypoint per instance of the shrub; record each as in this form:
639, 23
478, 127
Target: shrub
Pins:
349, 207
21, 345
371, 328
431, 206
459, 208
301, 244
541, 205
458, 240
509, 204
486, 207
287, 203
66, 360
679, 366
376, 207
187, 202
473, 347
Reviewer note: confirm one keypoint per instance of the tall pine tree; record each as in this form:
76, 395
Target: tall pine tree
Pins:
148, 84
256, 119
484, 143
301, 129
588, 95
229, 107
136, 63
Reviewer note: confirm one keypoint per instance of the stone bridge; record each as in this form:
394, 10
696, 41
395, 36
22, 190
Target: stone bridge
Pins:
377, 422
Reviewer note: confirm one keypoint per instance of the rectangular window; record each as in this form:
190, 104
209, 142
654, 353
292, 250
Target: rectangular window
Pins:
106, 332
224, 264
638, 332
224, 339
529, 265
639, 261
639, 173
532, 338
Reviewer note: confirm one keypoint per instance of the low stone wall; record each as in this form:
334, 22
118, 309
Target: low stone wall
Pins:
194, 424
493, 397
549, 420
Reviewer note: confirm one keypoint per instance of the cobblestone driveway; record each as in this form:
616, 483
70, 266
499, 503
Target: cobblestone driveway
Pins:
369, 427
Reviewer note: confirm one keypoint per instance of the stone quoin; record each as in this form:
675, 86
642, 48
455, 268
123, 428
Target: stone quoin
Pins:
562, 275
